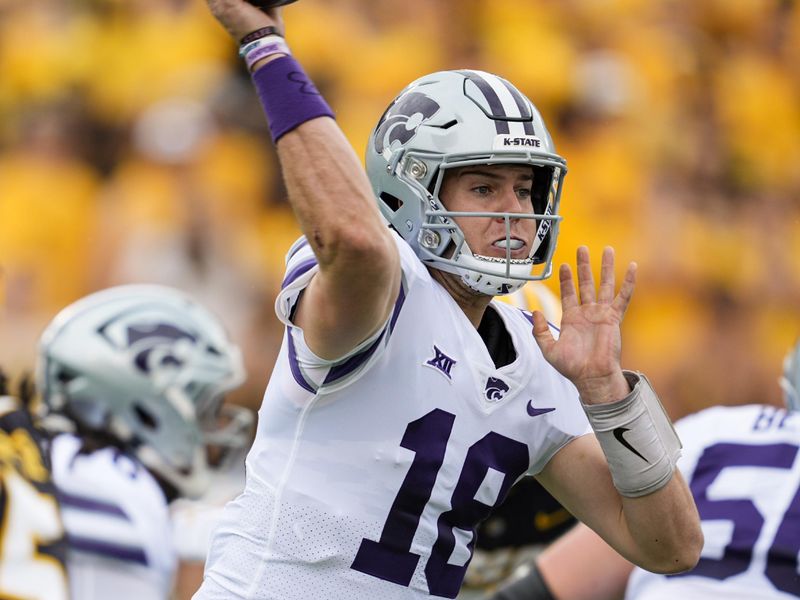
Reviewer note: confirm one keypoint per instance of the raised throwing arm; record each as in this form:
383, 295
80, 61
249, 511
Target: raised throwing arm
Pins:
359, 268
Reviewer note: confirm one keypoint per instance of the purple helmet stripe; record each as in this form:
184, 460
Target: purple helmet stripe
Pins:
498, 112
522, 105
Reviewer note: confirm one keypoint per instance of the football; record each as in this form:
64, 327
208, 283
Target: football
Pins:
267, 4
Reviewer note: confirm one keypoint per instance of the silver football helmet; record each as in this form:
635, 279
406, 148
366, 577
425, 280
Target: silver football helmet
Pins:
790, 381
453, 119
146, 368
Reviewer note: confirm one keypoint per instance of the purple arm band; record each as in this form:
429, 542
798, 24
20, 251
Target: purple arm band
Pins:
288, 96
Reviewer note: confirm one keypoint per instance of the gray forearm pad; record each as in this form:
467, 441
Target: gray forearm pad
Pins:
529, 587
637, 437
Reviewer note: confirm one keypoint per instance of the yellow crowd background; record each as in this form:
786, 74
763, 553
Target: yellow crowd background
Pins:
133, 149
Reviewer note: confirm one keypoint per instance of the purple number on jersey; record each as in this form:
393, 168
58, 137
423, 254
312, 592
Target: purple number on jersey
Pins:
747, 521
390, 558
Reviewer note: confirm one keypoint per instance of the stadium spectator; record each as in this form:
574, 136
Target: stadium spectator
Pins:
743, 465
404, 402
133, 378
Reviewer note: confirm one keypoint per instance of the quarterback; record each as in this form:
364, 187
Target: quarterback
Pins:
405, 402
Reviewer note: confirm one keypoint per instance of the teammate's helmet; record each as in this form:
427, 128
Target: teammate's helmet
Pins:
144, 367
453, 119
790, 381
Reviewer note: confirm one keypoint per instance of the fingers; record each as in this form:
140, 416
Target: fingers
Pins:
623, 299
541, 332
585, 277
606, 293
569, 297
240, 18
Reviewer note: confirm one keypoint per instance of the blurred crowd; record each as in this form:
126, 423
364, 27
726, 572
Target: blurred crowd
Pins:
133, 149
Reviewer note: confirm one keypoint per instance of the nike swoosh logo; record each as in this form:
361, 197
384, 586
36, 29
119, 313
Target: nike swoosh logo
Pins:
535, 412
618, 433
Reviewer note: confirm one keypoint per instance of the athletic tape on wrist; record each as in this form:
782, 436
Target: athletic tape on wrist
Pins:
288, 96
263, 47
637, 437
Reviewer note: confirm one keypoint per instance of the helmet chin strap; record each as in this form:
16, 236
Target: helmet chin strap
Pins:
471, 269
492, 285
471, 266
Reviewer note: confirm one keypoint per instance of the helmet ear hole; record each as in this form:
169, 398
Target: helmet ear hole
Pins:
145, 417
392, 202
64, 376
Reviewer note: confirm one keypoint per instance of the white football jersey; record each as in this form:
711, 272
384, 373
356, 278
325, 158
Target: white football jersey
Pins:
369, 475
117, 524
743, 466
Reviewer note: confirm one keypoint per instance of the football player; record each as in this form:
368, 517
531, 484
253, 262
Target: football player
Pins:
404, 403
133, 379
743, 465
32, 542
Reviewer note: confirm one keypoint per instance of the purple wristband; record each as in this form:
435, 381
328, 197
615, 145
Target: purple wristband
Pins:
288, 96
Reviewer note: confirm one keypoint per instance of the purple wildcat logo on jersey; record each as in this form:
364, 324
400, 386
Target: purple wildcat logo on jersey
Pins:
496, 389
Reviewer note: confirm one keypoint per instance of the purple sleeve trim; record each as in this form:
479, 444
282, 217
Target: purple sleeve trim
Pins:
91, 505
288, 96
294, 274
401, 298
354, 362
294, 365
344, 369
529, 315
107, 550
296, 247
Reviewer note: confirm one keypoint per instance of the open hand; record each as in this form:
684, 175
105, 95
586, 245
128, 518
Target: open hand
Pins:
588, 349
239, 17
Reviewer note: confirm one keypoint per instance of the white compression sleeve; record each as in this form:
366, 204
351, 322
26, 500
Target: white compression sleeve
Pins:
637, 437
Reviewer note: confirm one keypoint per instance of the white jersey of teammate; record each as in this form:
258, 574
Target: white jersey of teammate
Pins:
743, 465
428, 436
193, 521
117, 524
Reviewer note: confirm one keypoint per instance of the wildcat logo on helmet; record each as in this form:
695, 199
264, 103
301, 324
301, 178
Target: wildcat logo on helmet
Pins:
401, 120
516, 141
153, 344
